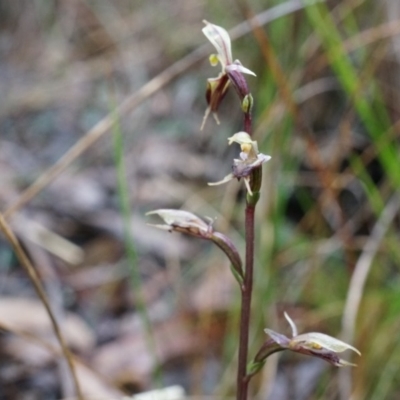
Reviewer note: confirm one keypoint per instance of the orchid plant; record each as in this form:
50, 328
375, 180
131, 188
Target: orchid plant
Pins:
248, 167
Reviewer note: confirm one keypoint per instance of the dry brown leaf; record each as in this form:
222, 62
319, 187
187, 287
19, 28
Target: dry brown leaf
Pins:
129, 359
77, 194
29, 316
171, 157
45, 238
95, 387
216, 290
29, 351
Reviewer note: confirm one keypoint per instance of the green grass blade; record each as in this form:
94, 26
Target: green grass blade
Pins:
375, 119
136, 281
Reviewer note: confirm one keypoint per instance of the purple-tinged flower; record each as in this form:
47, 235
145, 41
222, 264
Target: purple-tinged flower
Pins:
250, 159
232, 71
313, 344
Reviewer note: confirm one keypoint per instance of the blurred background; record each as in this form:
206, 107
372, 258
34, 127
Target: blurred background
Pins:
88, 146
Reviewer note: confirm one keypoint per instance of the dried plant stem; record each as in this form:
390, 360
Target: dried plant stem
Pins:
247, 288
27, 265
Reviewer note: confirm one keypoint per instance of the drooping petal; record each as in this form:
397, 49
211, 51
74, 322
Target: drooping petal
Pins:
162, 227
222, 181
247, 184
216, 90
220, 39
344, 363
326, 355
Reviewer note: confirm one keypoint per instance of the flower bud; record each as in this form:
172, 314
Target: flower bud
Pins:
247, 103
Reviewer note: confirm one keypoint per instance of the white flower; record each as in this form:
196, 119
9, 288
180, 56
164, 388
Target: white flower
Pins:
220, 39
217, 87
250, 159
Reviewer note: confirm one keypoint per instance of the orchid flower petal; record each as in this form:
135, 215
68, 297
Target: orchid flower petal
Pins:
206, 114
291, 323
162, 227
221, 182
247, 184
240, 68
243, 138
248, 146
316, 340
278, 338
220, 39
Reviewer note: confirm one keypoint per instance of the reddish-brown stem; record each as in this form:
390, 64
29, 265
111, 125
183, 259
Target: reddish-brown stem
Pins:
246, 289
242, 382
247, 123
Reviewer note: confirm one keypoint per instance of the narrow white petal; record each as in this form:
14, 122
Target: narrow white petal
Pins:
291, 323
240, 68
226, 179
247, 184
206, 114
264, 157
163, 227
